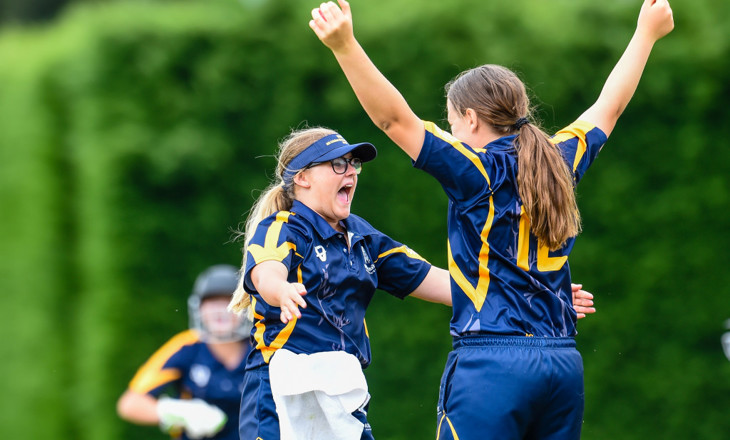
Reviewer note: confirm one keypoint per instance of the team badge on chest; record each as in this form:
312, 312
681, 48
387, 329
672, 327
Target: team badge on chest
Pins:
321, 253
367, 262
200, 374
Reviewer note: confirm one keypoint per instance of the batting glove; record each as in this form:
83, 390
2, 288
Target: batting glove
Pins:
196, 417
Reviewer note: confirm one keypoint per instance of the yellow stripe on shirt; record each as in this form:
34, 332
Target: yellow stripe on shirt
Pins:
404, 249
270, 250
447, 137
152, 374
477, 294
577, 129
268, 350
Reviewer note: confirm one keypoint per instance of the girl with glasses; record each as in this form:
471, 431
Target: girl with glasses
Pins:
301, 238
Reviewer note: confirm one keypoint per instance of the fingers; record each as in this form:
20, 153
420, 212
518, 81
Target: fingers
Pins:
316, 20
582, 301
583, 298
583, 304
345, 6
289, 312
329, 11
587, 308
656, 18
581, 312
291, 301
324, 19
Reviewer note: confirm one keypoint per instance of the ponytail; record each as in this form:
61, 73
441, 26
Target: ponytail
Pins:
275, 198
544, 179
546, 188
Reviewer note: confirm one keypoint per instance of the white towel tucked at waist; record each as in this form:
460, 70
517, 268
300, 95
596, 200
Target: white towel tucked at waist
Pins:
316, 394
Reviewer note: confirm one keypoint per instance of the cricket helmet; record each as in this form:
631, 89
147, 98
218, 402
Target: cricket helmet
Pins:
219, 324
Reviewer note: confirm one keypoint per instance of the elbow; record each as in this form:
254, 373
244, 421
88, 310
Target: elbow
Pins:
384, 125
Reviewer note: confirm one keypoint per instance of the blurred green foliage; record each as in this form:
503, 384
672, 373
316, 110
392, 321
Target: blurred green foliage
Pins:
135, 136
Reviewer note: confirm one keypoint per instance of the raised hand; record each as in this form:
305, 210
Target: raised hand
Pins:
655, 19
332, 25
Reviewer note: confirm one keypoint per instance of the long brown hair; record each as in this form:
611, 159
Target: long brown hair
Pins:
278, 196
544, 180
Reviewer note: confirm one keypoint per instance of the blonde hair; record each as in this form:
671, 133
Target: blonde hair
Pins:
544, 180
278, 196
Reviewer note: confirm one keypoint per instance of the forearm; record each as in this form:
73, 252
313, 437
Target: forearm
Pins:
380, 99
436, 287
621, 84
383, 103
655, 21
138, 408
270, 281
386, 107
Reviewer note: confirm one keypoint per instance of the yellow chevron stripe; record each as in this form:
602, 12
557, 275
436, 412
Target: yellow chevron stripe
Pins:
270, 251
152, 374
477, 294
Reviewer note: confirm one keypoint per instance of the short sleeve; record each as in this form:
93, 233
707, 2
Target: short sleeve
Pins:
165, 367
580, 143
457, 167
275, 239
400, 269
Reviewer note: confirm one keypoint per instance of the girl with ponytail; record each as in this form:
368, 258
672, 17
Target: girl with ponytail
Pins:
512, 222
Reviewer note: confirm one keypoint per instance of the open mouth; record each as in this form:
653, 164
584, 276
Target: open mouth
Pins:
344, 195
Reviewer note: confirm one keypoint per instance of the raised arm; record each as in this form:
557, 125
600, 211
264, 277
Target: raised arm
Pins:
655, 21
381, 100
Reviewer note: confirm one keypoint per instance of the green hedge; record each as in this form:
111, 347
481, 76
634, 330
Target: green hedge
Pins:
135, 136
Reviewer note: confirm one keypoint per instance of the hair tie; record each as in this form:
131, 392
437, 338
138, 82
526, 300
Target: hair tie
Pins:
520, 122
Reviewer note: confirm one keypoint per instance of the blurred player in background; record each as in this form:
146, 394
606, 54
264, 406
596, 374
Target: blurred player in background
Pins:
191, 387
514, 372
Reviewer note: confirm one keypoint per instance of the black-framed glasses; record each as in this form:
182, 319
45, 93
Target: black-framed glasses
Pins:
339, 164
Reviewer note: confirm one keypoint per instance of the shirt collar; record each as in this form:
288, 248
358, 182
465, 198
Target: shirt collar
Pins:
503, 143
320, 225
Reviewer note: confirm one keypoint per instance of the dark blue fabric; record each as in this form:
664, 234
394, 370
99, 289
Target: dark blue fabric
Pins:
511, 388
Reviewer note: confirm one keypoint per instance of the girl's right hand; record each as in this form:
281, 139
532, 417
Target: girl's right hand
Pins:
333, 25
290, 298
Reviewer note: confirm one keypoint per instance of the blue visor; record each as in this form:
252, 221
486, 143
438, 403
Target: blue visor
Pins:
328, 148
